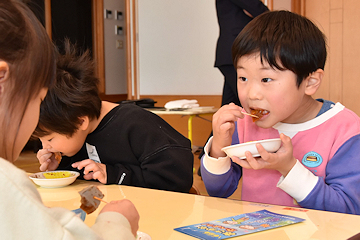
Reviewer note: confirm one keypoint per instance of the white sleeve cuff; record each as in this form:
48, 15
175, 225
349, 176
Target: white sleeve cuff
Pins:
216, 166
299, 182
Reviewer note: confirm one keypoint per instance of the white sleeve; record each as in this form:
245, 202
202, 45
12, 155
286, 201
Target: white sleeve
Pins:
215, 165
28, 218
299, 182
113, 225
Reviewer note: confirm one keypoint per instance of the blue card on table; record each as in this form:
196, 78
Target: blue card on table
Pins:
238, 225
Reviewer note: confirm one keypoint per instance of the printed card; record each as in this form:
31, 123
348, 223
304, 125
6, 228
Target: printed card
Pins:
239, 225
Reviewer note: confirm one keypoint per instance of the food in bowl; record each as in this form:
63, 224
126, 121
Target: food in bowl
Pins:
238, 150
52, 175
53, 179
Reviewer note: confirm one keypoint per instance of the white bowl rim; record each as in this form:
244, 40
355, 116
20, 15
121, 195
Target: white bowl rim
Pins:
251, 143
74, 174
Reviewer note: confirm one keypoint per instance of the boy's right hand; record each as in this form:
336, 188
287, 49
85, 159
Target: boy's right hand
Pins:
127, 209
47, 160
223, 124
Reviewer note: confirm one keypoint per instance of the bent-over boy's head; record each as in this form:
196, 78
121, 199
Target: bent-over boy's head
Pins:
74, 95
285, 40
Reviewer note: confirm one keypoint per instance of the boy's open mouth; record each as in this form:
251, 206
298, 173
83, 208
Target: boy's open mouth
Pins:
260, 113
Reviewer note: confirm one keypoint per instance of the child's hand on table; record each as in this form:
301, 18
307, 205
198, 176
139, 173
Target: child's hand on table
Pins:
282, 160
223, 128
126, 208
92, 170
47, 160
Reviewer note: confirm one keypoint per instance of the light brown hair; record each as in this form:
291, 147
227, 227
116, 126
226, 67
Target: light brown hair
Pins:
30, 55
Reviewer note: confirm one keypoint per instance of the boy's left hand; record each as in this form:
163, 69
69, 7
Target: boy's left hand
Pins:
282, 161
92, 170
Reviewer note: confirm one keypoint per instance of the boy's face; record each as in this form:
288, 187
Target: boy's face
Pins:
68, 146
262, 87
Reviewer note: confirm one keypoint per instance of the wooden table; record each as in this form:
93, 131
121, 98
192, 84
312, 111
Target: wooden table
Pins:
162, 211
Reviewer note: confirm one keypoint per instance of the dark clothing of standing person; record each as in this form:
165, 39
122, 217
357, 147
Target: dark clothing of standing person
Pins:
232, 15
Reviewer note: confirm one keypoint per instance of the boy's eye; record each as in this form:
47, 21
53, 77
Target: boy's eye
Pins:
243, 79
266, 80
50, 139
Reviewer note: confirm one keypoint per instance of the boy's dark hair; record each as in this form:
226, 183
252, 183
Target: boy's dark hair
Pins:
285, 40
74, 95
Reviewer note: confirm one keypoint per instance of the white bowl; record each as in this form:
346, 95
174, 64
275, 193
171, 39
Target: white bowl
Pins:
238, 150
39, 179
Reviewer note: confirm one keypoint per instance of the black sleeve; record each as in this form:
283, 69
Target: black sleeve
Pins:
169, 168
167, 161
143, 150
254, 7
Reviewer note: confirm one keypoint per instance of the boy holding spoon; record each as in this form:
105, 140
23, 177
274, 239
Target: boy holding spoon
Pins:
280, 58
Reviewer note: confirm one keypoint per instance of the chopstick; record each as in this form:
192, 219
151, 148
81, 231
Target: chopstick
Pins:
100, 199
251, 115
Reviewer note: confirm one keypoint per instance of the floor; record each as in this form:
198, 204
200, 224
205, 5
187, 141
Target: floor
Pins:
29, 163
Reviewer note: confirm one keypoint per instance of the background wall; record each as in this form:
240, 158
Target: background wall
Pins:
177, 42
177, 49
340, 21
114, 48
282, 5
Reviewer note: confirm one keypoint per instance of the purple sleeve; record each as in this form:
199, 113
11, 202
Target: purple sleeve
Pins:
340, 191
235, 136
223, 185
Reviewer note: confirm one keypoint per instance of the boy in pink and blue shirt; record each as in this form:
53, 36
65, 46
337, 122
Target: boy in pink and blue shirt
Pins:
280, 58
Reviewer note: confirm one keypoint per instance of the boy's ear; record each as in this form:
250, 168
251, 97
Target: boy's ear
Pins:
313, 82
84, 123
4, 75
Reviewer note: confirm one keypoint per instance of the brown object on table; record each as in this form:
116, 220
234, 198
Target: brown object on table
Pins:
57, 156
88, 203
355, 237
102, 200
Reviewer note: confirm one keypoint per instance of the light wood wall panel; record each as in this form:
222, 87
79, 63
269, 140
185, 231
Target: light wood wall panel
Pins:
336, 52
351, 69
340, 21
318, 11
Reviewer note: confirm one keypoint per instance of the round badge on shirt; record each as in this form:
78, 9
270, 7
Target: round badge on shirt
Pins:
312, 159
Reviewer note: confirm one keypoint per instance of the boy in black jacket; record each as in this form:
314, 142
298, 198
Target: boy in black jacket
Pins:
114, 144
